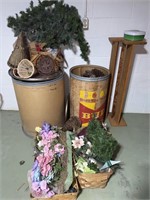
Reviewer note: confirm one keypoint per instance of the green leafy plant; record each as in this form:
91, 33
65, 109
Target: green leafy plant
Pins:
53, 22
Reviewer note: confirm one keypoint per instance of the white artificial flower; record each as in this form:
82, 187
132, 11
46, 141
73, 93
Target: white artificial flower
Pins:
40, 144
77, 142
89, 143
88, 151
92, 160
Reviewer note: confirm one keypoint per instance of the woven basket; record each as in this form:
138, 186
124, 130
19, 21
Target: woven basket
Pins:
67, 196
98, 180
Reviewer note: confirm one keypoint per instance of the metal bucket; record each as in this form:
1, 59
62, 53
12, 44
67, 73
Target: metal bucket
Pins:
40, 101
88, 95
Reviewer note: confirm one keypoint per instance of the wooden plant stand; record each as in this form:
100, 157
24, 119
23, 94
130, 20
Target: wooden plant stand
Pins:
123, 77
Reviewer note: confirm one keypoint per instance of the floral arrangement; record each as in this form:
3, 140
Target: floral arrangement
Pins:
93, 148
48, 163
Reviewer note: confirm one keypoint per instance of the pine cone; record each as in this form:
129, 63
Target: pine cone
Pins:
73, 123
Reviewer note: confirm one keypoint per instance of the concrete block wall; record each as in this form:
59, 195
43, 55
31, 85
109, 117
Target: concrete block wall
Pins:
107, 18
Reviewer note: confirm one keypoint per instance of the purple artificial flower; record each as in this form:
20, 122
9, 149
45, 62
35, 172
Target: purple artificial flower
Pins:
46, 127
35, 165
36, 174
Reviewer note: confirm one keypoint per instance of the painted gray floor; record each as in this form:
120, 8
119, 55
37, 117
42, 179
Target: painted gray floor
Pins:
131, 182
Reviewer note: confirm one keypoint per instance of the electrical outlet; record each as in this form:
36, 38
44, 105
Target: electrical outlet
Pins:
85, 22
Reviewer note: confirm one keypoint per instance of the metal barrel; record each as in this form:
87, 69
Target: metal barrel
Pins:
88, 94
40, 101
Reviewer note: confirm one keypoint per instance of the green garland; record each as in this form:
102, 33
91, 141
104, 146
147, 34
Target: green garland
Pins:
53, 23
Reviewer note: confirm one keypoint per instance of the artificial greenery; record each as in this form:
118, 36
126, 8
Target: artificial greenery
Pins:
104, 145
53, 22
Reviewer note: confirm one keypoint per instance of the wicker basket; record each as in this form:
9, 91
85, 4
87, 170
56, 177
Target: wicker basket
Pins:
98, 180
67, 196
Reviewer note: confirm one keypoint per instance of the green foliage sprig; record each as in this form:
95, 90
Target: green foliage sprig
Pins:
52, 22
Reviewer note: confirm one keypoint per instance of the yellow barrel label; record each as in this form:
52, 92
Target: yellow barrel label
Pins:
90, 105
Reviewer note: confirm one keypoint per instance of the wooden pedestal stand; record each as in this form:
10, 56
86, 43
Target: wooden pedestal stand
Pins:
123, 77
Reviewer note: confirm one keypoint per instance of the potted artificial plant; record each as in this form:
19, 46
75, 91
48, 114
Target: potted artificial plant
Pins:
43, 30
51, 176
94, 149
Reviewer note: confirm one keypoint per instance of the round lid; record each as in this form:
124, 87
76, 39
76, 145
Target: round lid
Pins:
134, 32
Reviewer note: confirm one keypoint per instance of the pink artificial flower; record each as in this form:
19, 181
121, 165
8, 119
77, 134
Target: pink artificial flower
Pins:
78, 142
49, 136
46, 148
58, 148
52, 135
44, 164
49, 155
45, 170
35, 186
37, 193
50, 193
36, 190
44, 140
43, 185
47, 159
40, 158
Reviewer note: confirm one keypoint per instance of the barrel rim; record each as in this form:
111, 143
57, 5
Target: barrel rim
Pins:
89, 79
35, 80
37, 83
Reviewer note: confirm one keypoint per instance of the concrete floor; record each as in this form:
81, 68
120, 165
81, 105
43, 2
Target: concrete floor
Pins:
131, 182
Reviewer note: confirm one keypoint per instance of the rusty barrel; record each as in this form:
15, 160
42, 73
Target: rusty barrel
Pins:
88, 95
40, 101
